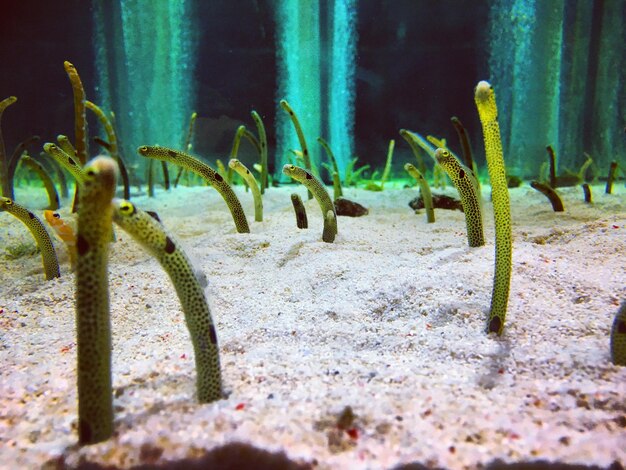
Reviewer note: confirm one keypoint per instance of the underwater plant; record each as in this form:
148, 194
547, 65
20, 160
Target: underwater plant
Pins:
242, 170
44, 243
301, 219
467, 186
485, 99
205, 171
424, 189
151, 235
93, 325
618, 337
321, 195
551, 194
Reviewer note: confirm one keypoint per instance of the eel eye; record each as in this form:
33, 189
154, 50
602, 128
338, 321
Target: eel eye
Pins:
56, 215
127, 207
53, 147
90, 172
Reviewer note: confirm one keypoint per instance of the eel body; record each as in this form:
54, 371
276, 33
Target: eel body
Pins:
93, 328
250, 180
316, 188
150, 234
485, 99
205, 171
48, 255
467, 186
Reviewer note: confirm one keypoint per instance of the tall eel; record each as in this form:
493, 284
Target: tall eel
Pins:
205, 171
260, 127
80, 114
485, 99
321, 195
65, 160
48, 255
424, 189
150, 234
93, 327
618, 337
467, 186
250, 180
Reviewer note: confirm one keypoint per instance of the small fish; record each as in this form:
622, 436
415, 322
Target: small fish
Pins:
64, 231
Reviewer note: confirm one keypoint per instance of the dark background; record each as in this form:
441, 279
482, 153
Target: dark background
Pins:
417, 64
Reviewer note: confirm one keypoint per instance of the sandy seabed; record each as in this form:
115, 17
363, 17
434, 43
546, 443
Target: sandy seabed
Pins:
389, 321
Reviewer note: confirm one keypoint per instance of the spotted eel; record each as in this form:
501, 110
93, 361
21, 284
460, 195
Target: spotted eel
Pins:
48, 255
618, 337
467, 186
95, 398
485, 99
250, 180
424, 189
205, 171
321, 195
151, 235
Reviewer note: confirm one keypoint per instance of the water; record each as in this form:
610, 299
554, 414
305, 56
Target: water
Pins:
354, 72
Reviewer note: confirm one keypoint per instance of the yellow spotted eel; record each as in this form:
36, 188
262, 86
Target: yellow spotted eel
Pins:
427, 196
467, 186
485, 99
618, 337
205, 171
321, 195
48, 255
67, 161
93, 328
150, 234
250, 180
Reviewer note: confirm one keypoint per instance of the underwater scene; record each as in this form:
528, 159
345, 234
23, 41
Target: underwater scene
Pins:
313, 234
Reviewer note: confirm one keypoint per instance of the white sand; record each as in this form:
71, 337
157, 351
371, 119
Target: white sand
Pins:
388, 320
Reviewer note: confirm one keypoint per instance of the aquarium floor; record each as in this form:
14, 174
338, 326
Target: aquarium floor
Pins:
388, 320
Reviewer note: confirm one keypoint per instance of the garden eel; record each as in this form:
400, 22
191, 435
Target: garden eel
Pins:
618, 337
151, 235
321, 195
424, 189
249, 178
301, 219
111, 145
51, 191
550, 193
44, 243
80, 114
306, 158
465, 182
260, 128
333, 161
205, 171
485, 99
5, 176
66, 145
66, 161
93, 328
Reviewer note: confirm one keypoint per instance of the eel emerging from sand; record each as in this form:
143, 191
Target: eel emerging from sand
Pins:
150, 234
